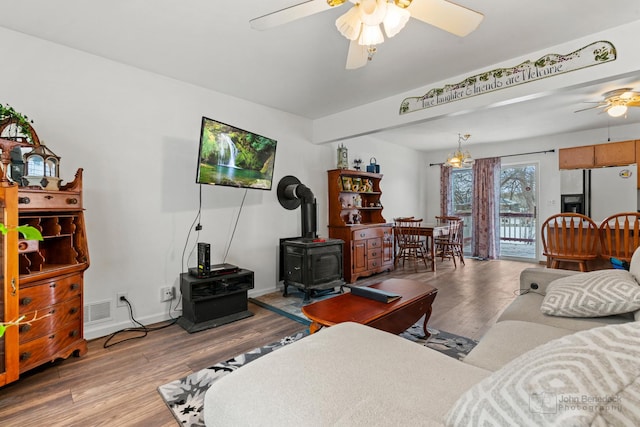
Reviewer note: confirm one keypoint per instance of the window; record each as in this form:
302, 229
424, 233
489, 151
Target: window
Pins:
518, 188
462, 199
518, 223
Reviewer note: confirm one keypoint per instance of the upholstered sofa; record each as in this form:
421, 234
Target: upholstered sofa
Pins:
530, 368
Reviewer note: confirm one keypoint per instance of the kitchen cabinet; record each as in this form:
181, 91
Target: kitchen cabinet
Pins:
615, 154
638, 162
576, 157
599, 155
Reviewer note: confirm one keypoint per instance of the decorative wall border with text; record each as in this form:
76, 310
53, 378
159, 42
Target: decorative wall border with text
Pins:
548, 66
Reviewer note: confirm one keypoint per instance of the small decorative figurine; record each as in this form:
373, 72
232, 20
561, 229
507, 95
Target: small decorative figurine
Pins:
356, 184
373, 166
356, 164
343, 157
347, 184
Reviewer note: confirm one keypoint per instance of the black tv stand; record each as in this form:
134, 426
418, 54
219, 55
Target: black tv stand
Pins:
214, 301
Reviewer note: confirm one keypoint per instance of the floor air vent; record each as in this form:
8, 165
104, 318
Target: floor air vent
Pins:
97, 312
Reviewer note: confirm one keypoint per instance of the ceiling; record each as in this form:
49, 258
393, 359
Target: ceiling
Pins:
299, 67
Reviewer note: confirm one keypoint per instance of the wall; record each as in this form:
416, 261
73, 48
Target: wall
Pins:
549, 173
135, 134
400, 166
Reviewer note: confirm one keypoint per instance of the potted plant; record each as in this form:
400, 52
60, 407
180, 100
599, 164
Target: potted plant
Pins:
23, 128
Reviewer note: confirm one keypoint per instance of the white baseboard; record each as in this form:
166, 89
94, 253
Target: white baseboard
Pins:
259, 292
99, 330
102, 330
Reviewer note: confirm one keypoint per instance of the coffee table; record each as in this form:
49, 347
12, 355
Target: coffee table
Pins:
395, 317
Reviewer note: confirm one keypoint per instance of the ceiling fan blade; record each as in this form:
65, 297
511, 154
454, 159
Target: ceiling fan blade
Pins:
592, 108
634, 102
617, 93
447, 16
289, 14
358, 55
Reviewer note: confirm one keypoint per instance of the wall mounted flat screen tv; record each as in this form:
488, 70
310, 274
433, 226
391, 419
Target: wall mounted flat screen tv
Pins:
234, 157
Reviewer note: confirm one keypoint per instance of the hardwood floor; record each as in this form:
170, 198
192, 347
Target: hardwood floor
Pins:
471, 297
117, 386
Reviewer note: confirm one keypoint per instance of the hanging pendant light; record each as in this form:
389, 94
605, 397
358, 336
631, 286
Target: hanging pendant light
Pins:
459, 159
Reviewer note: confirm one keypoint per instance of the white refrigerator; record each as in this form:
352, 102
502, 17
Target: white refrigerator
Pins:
611, 190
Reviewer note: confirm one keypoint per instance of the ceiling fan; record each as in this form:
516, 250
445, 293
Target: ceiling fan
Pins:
361, 23
616, 102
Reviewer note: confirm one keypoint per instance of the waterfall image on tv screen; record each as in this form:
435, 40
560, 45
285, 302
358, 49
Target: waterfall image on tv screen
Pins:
234, 157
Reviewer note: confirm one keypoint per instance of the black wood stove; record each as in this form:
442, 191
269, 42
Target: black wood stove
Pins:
311, 264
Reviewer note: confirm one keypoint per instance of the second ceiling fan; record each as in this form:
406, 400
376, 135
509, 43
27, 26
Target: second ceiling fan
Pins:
361, 23
616, 102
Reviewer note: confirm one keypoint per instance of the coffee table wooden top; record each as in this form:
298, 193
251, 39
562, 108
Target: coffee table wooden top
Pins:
352, 308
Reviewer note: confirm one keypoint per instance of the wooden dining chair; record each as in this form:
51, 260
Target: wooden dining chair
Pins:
410, 246
569, 237
620, 236
446, 220
451, 245
396, 234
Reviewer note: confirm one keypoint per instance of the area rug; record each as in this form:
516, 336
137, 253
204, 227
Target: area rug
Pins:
185, 397
291, 306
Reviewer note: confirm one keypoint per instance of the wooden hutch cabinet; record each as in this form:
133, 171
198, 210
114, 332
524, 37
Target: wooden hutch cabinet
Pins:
355, 216
42, 279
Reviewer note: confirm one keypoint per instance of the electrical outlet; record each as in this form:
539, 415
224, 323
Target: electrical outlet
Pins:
166, 294
119, 301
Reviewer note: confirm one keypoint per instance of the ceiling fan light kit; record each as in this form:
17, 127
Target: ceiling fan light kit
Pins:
372, 12
371, 35
616, 102
617, 110
361, 23
395, 20
349, 24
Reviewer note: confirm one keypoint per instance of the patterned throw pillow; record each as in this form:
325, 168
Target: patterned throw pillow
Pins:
634, 265
593, 294
589, 378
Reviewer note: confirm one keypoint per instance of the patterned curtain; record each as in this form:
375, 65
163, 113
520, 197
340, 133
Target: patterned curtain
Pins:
445, 190
485, 242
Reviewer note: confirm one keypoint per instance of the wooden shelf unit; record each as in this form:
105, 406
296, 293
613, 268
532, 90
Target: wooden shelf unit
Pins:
368, 245
342, 203
43, 279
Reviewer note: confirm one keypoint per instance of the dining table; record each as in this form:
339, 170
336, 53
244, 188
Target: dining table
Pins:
430, 231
